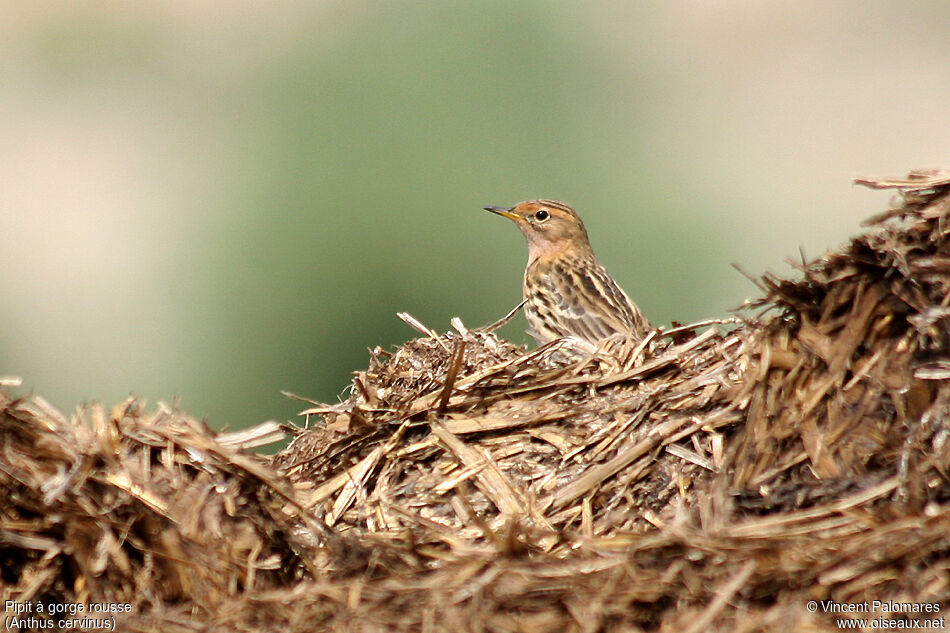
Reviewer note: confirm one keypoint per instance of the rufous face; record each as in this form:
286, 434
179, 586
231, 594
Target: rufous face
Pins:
550, 227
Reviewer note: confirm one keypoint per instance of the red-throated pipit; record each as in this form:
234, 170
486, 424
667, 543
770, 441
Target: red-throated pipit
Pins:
567, 292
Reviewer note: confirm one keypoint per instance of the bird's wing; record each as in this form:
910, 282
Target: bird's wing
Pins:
585, 301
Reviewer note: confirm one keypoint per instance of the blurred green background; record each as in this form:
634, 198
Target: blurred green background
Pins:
219, 200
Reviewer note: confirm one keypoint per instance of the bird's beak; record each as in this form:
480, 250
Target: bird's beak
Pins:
505, 211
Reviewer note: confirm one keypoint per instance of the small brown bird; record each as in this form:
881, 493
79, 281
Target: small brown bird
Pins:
567, 292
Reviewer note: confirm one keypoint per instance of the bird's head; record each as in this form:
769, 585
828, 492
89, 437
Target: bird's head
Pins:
550, 227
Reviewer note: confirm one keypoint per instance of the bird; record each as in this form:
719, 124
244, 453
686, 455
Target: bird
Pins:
567, 292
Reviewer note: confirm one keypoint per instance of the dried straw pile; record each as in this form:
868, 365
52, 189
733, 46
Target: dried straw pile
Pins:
705, 479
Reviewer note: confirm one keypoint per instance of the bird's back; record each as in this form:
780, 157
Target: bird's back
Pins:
576, 296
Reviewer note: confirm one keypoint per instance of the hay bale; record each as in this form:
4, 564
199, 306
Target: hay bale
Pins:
146, 513
714, 477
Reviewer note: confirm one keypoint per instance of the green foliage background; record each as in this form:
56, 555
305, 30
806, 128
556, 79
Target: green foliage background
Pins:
216, 202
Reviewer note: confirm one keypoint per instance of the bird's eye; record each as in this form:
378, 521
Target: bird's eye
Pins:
541, 215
